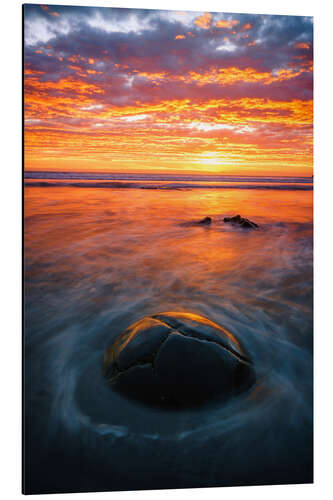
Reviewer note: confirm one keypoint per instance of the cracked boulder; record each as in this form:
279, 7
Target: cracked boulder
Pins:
177, 359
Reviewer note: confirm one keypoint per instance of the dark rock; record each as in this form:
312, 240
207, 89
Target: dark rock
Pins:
241, 221
177, 359
206, 220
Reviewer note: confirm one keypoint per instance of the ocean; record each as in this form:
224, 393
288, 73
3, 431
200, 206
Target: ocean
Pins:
104, 250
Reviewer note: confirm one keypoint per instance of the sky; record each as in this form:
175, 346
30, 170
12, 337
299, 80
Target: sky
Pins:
156, 91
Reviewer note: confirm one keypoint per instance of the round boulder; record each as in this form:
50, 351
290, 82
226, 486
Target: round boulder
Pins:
177, 359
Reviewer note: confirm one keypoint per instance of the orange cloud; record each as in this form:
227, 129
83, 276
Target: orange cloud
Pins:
226, 24
229, 76
94, 72
204, 21
74, 95
246, 27
28, 72
71, 92
75, 58
302, 45
179, 37
51, 13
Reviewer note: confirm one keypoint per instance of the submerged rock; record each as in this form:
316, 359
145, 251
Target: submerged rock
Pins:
177, 359
241, 221
206, 220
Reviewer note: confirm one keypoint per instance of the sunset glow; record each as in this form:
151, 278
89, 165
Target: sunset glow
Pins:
150, 91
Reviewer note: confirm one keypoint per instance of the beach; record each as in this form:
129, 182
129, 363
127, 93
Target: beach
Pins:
101, 253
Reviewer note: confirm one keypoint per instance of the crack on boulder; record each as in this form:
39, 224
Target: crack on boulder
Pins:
113, 379
140, 363
158, 350
187, 333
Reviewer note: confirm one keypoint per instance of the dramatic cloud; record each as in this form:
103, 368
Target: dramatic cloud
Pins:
126, 88
204, 21
226, 24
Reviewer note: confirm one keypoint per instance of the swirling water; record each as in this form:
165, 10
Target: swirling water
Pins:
97, 260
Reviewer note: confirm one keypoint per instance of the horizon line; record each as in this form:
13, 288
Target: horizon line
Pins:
155, 174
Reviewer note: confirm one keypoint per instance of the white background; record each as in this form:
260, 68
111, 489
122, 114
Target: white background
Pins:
11, 227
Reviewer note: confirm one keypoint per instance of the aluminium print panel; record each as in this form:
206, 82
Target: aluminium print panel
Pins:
168, 235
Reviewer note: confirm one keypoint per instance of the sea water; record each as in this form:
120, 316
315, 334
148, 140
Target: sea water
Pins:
104, 250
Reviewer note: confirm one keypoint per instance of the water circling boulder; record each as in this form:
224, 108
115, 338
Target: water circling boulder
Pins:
177, 359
